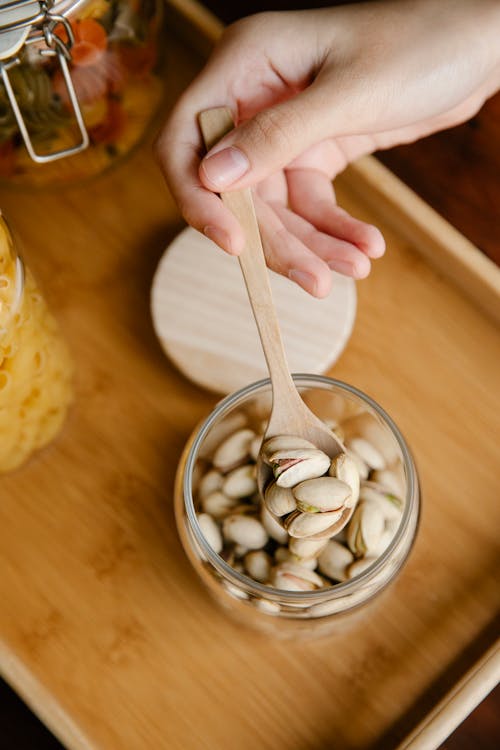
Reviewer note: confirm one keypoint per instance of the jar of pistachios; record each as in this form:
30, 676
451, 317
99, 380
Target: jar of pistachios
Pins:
35, 366
80, 82
283, 563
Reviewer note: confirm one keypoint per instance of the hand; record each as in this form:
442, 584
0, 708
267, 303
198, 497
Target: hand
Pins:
311, 91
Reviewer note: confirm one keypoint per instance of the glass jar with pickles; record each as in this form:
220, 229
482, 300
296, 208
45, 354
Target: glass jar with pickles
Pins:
80, 82
35, 365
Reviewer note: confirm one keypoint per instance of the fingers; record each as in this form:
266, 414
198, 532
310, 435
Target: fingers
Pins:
287, 255
339, 255
310, 195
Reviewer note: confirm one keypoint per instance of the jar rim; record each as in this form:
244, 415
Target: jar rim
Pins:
270, 592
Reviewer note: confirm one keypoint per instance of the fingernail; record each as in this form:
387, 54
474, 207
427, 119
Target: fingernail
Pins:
342, 266
225, 167
303, 279
219, 236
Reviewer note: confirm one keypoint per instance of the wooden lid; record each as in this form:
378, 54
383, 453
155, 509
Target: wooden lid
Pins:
204, 322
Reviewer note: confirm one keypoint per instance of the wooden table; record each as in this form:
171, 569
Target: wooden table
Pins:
105, 630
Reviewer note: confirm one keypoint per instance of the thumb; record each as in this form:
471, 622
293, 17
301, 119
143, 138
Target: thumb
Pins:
269, 141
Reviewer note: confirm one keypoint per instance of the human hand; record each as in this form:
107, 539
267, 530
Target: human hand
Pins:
311, 91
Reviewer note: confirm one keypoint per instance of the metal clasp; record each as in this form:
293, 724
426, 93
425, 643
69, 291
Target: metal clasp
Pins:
22, 17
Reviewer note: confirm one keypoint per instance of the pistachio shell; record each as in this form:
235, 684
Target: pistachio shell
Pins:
273, 528
267, 606
359, 566
369, 428
283, 442
240, 482
293, 577
336, 527
233, 450
217, 504
209, 483
390, 505
392, 479
321, 494
293, 466
220, 431
343, 467
244, 530
334, 560
210, 531
279, 500
302, 525
306, 549
258, 565
283, 554
361, 466
365, 528
367, 452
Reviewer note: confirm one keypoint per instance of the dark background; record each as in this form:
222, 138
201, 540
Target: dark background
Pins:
456, 171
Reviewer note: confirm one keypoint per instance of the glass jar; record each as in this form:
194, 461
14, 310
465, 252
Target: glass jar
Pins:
35, 366
280, 612
80, 83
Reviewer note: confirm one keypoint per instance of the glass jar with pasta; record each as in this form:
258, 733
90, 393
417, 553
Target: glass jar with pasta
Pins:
80, 83
35, 366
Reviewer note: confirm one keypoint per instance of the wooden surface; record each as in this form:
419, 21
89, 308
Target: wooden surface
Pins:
193, 328
105, 630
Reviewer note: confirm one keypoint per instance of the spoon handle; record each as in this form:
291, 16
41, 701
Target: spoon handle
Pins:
214, 124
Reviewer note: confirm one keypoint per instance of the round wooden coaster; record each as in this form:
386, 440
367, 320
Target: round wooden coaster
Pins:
204, 322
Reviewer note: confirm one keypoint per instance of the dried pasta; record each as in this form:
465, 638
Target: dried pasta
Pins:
35, 366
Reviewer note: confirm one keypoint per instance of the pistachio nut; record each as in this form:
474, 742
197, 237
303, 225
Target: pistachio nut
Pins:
293, 577
210, 531
244, 530
258, 565
283, 554
240, 550
336, 527
390, 505
240, 482
279, 500
321, 494
392, 479
273, 528
283, 443
220, 431
367, 452
365, 528
334, 559
233, 450
368, 427
293, 466
302, 525
361, 466
218, 505
306, 549
359, 566
343, 467
267, 606
210, 482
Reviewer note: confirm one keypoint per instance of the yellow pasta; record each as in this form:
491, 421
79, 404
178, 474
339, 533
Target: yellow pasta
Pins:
35, 366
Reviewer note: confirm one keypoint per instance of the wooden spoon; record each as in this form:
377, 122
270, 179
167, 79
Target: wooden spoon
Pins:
289, 414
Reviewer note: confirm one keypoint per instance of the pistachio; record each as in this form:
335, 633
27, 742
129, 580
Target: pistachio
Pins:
233, 450
293, 466
258, 565
217, 504
273, 528
343, 467
279, 500
267, 606
334, 560
302, 525
306, 549
370, 428
359, 566
210, 531
361, 466
240, 482
390, 505
220, 431
321, 495
283, 554
365, 528
392, 479
240, 550
209, 483
336, 527
244, 530
367, 452
293, 577
283, 442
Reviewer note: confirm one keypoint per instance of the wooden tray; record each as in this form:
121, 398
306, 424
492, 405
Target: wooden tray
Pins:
105, 630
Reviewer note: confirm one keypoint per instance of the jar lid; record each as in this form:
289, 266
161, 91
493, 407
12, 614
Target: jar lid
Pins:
204, 321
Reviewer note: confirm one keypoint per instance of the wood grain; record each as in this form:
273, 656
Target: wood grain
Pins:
104, 629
